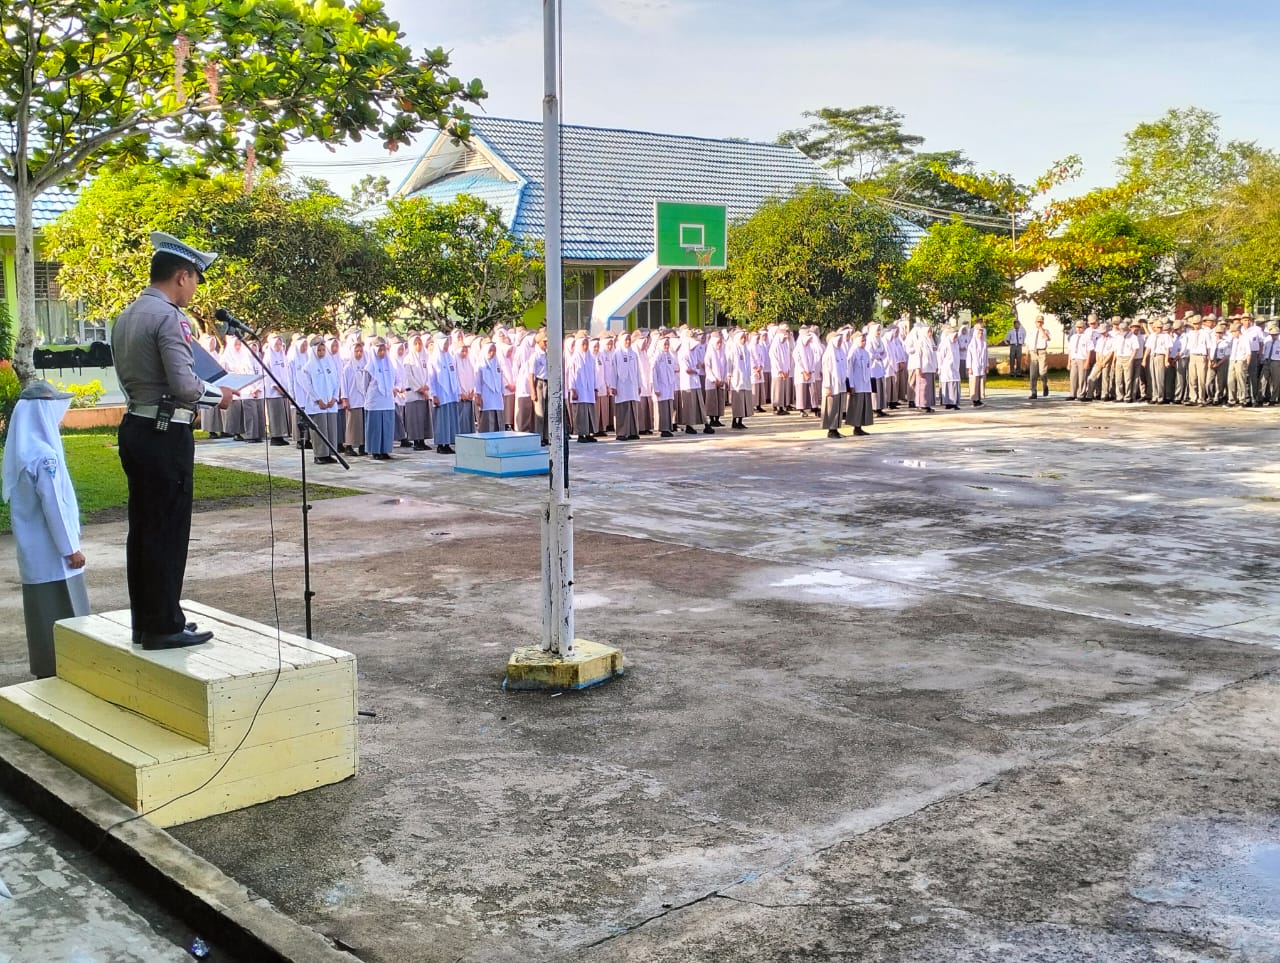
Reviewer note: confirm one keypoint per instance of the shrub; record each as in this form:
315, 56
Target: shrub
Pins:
9, 388
87, 395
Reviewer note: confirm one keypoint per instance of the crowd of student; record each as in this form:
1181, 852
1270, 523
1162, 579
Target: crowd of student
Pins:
370, 394
1197, 360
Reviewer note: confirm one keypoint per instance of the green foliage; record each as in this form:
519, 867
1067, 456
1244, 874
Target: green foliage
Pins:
457, 262
998, 320
103, 242
370, 191
88, 83
1239, 249
857, 143
10, 386
1180, 165
815, 258
6, 330
289, 255
915, 189
954, 267
1090, 281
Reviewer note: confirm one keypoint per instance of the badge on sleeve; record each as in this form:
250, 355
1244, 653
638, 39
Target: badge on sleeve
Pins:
186, 328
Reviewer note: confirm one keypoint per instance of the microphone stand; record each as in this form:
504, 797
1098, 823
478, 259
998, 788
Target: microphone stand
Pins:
303, 419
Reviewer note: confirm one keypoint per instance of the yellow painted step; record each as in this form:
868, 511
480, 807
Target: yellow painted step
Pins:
172, 779
107, 744
188, 733
210, 692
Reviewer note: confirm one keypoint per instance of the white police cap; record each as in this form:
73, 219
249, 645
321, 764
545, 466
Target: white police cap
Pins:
171, 245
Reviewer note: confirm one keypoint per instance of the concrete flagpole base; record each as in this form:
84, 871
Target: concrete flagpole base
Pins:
532, 668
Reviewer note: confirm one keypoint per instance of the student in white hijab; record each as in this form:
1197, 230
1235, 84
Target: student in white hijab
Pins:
782, 390
323, 391
397, 351
835, 381
665, 381
976, 360
949, 356
759, 383
692, 400
379, 402
353, 378
858, 364
626, 398
523, 418
490, 382
445, 393
276, 361
298, 355
716, 385
466, 354
806, 365
417, 388
644, 367
580, 385
45, 517
739, 360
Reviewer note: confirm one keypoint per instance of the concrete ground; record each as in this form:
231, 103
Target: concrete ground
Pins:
54, 909
989, 685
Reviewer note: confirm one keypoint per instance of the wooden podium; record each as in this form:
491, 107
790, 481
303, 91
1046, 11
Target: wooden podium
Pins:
160, 730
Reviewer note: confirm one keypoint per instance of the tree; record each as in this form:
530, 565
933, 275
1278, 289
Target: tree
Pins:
817, 257
916, 191
90, 82
1245, 227
457, 261
370, 191
954, 267
1109, 264
859, 140
1179, 164
289, 256
1036, 238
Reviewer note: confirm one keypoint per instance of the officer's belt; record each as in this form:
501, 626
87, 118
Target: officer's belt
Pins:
183, 416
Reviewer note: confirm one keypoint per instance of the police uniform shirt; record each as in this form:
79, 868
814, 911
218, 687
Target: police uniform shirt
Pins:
147, 375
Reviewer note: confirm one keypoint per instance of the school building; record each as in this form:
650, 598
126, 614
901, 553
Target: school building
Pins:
611, 180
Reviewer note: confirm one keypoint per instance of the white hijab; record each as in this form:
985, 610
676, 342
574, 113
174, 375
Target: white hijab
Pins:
34, 438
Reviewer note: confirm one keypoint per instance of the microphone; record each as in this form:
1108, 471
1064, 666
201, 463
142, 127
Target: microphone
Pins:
229, 323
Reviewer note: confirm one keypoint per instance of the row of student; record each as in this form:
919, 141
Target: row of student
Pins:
365, 394
1193, 361
633, 384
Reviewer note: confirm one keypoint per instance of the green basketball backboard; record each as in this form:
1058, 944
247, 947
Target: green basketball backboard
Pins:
690, 235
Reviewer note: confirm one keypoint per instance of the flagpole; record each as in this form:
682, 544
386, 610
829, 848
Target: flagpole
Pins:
557, 521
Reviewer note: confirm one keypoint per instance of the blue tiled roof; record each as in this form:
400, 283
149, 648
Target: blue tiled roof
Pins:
612, 177
485, 185
45, 211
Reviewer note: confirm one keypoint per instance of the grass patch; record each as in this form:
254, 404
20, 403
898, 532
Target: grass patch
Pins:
1059, 380
103, 493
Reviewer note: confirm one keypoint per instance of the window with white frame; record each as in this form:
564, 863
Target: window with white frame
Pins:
655, 310
579, 295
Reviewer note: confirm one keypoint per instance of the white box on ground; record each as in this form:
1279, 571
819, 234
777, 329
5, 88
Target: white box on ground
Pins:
502, 454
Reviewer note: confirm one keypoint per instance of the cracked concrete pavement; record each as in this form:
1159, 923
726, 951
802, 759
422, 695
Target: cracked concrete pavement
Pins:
994, 685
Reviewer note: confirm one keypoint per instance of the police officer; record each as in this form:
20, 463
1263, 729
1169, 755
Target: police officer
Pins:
151, 345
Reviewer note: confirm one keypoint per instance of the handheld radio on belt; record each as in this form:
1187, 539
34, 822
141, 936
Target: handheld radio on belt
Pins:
164, 412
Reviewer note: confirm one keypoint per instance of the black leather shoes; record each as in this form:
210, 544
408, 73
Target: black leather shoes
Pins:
137, 636
175, 640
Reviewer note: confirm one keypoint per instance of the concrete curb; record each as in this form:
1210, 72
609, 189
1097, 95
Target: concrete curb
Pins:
187, 885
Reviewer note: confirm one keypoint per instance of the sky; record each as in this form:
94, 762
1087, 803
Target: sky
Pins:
1015, 84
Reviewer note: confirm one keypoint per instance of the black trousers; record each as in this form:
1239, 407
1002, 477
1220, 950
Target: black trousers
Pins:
158, 466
